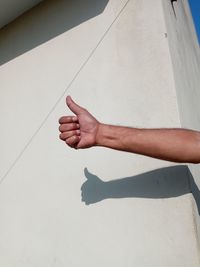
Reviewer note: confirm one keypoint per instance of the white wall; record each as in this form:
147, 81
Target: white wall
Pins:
185, 56
115, 61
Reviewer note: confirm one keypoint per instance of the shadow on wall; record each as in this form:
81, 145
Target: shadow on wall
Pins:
161, 183
45, 21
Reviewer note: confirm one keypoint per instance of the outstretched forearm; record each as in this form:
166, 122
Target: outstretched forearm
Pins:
84, 131
177, 145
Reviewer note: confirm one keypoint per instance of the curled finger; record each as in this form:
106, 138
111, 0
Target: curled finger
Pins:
73, 140
68, 119
68, 127
68, 134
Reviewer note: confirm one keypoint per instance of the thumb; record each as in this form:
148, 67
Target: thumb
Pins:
76, 109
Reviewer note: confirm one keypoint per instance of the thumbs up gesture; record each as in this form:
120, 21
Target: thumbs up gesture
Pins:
80, 130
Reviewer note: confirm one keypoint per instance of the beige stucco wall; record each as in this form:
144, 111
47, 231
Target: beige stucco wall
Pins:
12, 9
185, 56
116, 62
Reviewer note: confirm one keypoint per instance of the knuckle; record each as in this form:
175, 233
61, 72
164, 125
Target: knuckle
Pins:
68, 126
73, 139
69, 119
67, 141
73, 126
74, 118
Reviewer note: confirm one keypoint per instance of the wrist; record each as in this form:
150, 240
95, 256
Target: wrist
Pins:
100, 134
117, 137
107, 135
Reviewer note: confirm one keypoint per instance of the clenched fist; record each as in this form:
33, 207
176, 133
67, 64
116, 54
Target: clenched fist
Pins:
79, 131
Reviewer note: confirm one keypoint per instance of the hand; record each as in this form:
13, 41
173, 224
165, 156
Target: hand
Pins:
79, 131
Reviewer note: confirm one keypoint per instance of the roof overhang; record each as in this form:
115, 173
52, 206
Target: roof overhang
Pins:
11, 9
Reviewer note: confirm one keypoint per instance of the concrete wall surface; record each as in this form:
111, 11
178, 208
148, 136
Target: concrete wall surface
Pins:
11, 9
96, 207
185, 56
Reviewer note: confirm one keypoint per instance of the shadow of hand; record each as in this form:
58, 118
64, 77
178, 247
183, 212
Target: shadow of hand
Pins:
93, 190
166, 182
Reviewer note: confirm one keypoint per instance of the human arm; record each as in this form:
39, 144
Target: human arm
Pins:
177, 145
84, 131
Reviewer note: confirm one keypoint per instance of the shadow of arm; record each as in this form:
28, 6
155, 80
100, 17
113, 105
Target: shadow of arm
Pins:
161, 183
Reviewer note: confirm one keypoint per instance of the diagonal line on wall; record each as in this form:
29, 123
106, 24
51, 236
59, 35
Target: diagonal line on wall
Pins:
62, 95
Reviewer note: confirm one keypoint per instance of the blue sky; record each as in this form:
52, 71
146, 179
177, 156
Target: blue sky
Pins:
195, 8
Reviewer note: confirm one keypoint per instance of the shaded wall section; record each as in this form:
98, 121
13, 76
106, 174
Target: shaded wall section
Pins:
44, 22
185, 56
11, 9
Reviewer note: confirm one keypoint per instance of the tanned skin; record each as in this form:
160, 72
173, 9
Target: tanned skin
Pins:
84, 131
